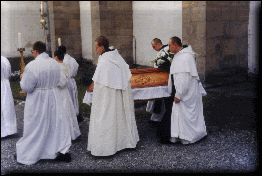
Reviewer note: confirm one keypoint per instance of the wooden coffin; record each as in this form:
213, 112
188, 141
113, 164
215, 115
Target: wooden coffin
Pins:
149, 77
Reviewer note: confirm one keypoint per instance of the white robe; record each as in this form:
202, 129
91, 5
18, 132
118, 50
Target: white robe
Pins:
67, 101
72, 87
112, 121
46, 129
187, 119
8, 115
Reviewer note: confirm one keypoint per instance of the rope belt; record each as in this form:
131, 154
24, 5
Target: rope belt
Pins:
45, 88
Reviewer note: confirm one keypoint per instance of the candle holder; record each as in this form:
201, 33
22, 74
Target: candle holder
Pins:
43, 22
22, 66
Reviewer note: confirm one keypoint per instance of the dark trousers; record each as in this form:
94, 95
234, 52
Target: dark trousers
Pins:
164, 128
157, 106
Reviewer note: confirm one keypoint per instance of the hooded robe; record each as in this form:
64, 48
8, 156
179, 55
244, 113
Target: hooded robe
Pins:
187, 119
112, 120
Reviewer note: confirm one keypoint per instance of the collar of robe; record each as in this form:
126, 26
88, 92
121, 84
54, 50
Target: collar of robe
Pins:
108, 50
163, 47
43, 55
184, 61
112, 70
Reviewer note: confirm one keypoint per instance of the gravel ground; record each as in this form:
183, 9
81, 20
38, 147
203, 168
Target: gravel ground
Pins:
231, 145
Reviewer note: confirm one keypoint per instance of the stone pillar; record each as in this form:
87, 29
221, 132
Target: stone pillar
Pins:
194, 31
65, 24
114, 20
227, 38
96, 32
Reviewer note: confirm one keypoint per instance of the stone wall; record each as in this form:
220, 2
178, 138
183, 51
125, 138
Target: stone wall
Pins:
65, 18
113, 19
226, 36
218, 33
194, 31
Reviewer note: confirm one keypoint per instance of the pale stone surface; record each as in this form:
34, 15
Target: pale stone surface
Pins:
23, 17
155, 19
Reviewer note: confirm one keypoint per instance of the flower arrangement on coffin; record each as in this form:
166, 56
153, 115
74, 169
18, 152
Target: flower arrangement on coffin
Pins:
163, 59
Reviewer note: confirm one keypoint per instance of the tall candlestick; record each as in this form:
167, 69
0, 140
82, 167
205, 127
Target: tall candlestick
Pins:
42, 7
59, 41
19, 40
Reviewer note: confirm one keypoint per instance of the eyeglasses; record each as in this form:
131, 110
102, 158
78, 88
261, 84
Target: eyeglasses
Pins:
32, 51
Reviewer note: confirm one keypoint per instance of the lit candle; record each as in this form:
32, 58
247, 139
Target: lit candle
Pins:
59, 41
42, 7
19, 40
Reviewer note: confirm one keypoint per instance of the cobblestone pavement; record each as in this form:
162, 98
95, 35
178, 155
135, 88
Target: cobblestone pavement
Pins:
230, 146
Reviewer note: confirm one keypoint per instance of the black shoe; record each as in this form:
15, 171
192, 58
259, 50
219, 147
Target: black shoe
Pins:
80, 118
15, 156
63, 157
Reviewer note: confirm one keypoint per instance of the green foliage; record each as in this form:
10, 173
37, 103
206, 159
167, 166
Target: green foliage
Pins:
86, 70
15, 87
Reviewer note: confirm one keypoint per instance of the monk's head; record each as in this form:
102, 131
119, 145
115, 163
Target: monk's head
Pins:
175, 44
38, 48
101, 44
59, 55
156, 44
62, 48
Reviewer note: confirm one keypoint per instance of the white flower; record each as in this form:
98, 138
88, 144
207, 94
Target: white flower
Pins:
16, 73
163, 54
166, 48
170, 59
160, 61
111, 47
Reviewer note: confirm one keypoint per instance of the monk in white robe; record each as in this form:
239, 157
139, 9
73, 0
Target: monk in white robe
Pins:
112, 121
72, 87
8, 115
66, 99
187, 119
46, 132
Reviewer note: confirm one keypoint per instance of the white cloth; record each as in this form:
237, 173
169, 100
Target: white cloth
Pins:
67, 101
46, 129
138, 93
112, 121
187, 119
8, 115
72, 87
112, 70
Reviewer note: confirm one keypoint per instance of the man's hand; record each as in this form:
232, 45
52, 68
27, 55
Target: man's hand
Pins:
21, 76
176, 100
91, 87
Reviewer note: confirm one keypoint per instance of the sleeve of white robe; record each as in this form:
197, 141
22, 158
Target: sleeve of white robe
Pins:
28, 81
75, 64
63, 81
181, 81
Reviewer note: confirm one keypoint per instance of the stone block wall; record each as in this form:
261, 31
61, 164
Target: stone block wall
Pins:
96, 32
194, 31
116, 24
65, 18
226, 36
